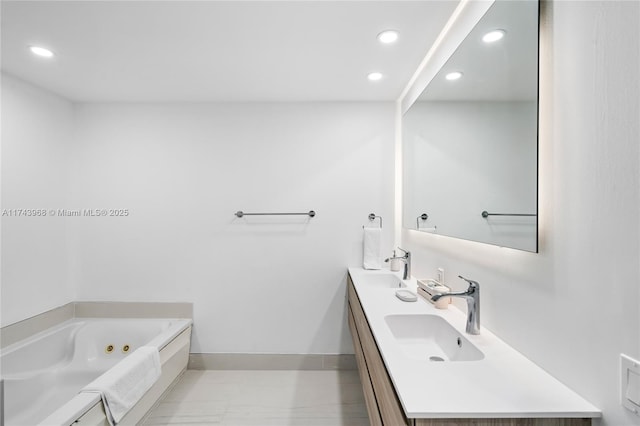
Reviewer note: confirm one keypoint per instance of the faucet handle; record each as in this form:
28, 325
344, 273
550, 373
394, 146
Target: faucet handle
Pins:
472, 284
406, 252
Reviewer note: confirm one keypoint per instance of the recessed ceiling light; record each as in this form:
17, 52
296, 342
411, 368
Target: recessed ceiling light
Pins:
374, 76
453, 75
41, 51
388, 36
494, 35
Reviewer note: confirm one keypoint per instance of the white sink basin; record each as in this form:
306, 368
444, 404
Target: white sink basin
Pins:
385, 281
431, 338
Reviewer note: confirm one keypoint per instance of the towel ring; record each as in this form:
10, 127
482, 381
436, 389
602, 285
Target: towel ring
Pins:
423, 216
372, 217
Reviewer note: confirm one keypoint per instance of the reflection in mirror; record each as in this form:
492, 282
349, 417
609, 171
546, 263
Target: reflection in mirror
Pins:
470, 140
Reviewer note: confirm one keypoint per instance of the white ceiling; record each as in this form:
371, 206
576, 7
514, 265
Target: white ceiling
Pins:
156, 51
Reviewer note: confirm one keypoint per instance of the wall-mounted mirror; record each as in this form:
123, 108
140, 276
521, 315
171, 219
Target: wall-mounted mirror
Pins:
470, 140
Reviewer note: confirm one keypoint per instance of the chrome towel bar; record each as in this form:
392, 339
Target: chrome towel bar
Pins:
487, 214
240, 213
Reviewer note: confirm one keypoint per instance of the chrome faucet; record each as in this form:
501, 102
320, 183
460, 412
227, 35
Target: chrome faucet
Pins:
472, 295
407, 263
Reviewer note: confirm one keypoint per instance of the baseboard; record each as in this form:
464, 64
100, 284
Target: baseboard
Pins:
226, 361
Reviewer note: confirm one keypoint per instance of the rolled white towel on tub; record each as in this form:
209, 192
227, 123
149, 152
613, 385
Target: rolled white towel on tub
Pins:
372, 253
122, 386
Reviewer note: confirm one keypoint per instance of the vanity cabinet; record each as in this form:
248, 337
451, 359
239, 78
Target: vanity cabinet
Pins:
383, 404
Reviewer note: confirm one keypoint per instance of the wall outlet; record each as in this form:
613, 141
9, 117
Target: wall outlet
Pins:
441, 275
630, 383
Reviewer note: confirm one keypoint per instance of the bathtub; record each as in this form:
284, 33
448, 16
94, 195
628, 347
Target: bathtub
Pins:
43, 375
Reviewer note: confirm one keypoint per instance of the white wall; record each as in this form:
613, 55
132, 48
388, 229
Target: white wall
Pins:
573, 307
259, 284
462, 158
37, 127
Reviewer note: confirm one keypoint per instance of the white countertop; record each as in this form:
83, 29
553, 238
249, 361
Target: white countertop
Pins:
503, 384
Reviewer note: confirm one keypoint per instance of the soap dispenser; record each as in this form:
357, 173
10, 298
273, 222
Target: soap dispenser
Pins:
395, 263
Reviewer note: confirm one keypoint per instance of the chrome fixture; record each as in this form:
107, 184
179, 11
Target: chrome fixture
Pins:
424, 217
407, 262
240, 213
486, 214
472, 295
373, 216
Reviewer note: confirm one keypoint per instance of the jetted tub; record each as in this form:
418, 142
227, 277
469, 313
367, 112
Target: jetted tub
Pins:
43, 375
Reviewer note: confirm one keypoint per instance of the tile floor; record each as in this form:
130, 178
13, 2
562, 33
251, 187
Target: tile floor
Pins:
263, 398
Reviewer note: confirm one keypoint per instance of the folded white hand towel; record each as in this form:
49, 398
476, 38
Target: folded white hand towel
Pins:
372, 252
122, 386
